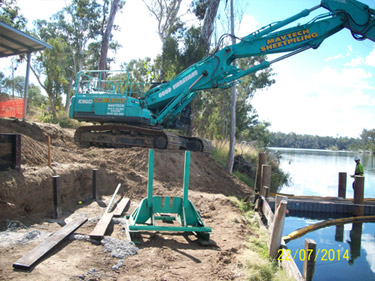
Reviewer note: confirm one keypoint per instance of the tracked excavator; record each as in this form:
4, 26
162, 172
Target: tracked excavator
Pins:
132, 113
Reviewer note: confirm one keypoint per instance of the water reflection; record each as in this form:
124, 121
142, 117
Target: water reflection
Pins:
355, 241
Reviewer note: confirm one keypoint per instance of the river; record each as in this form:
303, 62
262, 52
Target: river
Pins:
316, 172
346, 252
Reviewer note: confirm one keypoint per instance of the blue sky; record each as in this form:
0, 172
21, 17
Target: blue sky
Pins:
328, 91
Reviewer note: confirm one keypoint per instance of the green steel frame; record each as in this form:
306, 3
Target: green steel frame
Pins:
166, 208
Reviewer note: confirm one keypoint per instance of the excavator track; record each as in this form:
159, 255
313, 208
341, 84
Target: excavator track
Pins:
134, 136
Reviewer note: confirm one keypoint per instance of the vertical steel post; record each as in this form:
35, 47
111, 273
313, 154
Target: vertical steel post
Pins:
56, 186
150, 177
186, 178
26, 85
94, 189
342, 185
359, 185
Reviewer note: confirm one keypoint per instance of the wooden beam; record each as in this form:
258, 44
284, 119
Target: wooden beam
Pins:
265, 179
121, 207
309, 262
267, 211
101, 226
32, 257
262, 160
289, 265
277, 230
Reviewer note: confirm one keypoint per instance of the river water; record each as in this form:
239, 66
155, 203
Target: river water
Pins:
316, 172
346, 252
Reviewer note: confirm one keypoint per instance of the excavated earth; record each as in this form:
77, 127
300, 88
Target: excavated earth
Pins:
26, 211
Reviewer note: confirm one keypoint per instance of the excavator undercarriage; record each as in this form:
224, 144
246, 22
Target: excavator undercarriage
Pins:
129, 136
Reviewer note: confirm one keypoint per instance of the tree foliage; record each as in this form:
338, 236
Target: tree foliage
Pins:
368, 139
293, 140
10, 14
213, 114
77, 32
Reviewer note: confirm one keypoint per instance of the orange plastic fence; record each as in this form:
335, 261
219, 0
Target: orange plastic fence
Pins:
11, 108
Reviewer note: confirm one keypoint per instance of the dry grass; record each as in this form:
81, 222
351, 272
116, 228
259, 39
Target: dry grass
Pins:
240, 147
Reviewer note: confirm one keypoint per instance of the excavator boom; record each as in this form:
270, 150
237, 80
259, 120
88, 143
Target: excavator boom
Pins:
116, 98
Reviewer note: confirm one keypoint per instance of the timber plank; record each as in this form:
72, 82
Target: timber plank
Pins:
29, 259
121, 207
101, 226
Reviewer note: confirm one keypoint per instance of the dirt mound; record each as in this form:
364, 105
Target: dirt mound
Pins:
35, 130
31, 189
35, 138
161, 256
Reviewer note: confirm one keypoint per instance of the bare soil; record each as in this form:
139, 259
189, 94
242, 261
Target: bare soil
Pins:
26, 220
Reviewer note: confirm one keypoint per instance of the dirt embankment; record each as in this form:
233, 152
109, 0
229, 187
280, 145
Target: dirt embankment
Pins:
161, 256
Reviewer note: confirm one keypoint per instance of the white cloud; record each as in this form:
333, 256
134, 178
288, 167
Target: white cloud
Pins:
248, 25
370, 59
368, 245
352, 78
335, 57
355, 62
328, 102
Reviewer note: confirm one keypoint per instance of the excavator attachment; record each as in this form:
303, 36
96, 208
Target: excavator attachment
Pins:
165, 213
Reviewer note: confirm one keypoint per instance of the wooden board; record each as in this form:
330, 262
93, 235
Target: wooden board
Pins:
29, 259
101, 226
267, 211
121, 207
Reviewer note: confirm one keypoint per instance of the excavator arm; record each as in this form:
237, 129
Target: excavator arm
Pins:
217, 70
142, 111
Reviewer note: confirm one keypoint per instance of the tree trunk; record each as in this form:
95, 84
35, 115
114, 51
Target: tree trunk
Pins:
107, 35
232, 140
207, 29
51, 97
209, 23
69, 91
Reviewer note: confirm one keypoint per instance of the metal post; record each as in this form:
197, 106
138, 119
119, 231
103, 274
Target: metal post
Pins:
49, 152
26, 85
186, 178
359, 186
112, 199
309, 261
339, 234
342, 185
150, 177
261, 161
94, 181
56, 187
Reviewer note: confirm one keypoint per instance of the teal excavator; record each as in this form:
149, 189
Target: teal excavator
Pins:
132, 113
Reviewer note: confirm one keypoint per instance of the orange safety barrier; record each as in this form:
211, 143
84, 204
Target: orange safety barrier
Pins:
11, 108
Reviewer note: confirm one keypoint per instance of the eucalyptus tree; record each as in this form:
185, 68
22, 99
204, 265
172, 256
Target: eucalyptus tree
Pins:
11, 15
82, 27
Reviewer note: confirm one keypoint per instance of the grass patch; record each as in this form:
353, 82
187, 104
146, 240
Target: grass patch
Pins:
245, 178
259, 266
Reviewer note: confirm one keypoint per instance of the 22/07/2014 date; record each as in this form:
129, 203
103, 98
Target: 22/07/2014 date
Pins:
321, 254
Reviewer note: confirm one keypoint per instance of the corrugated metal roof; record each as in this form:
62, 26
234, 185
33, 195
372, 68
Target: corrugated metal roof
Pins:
15, 42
